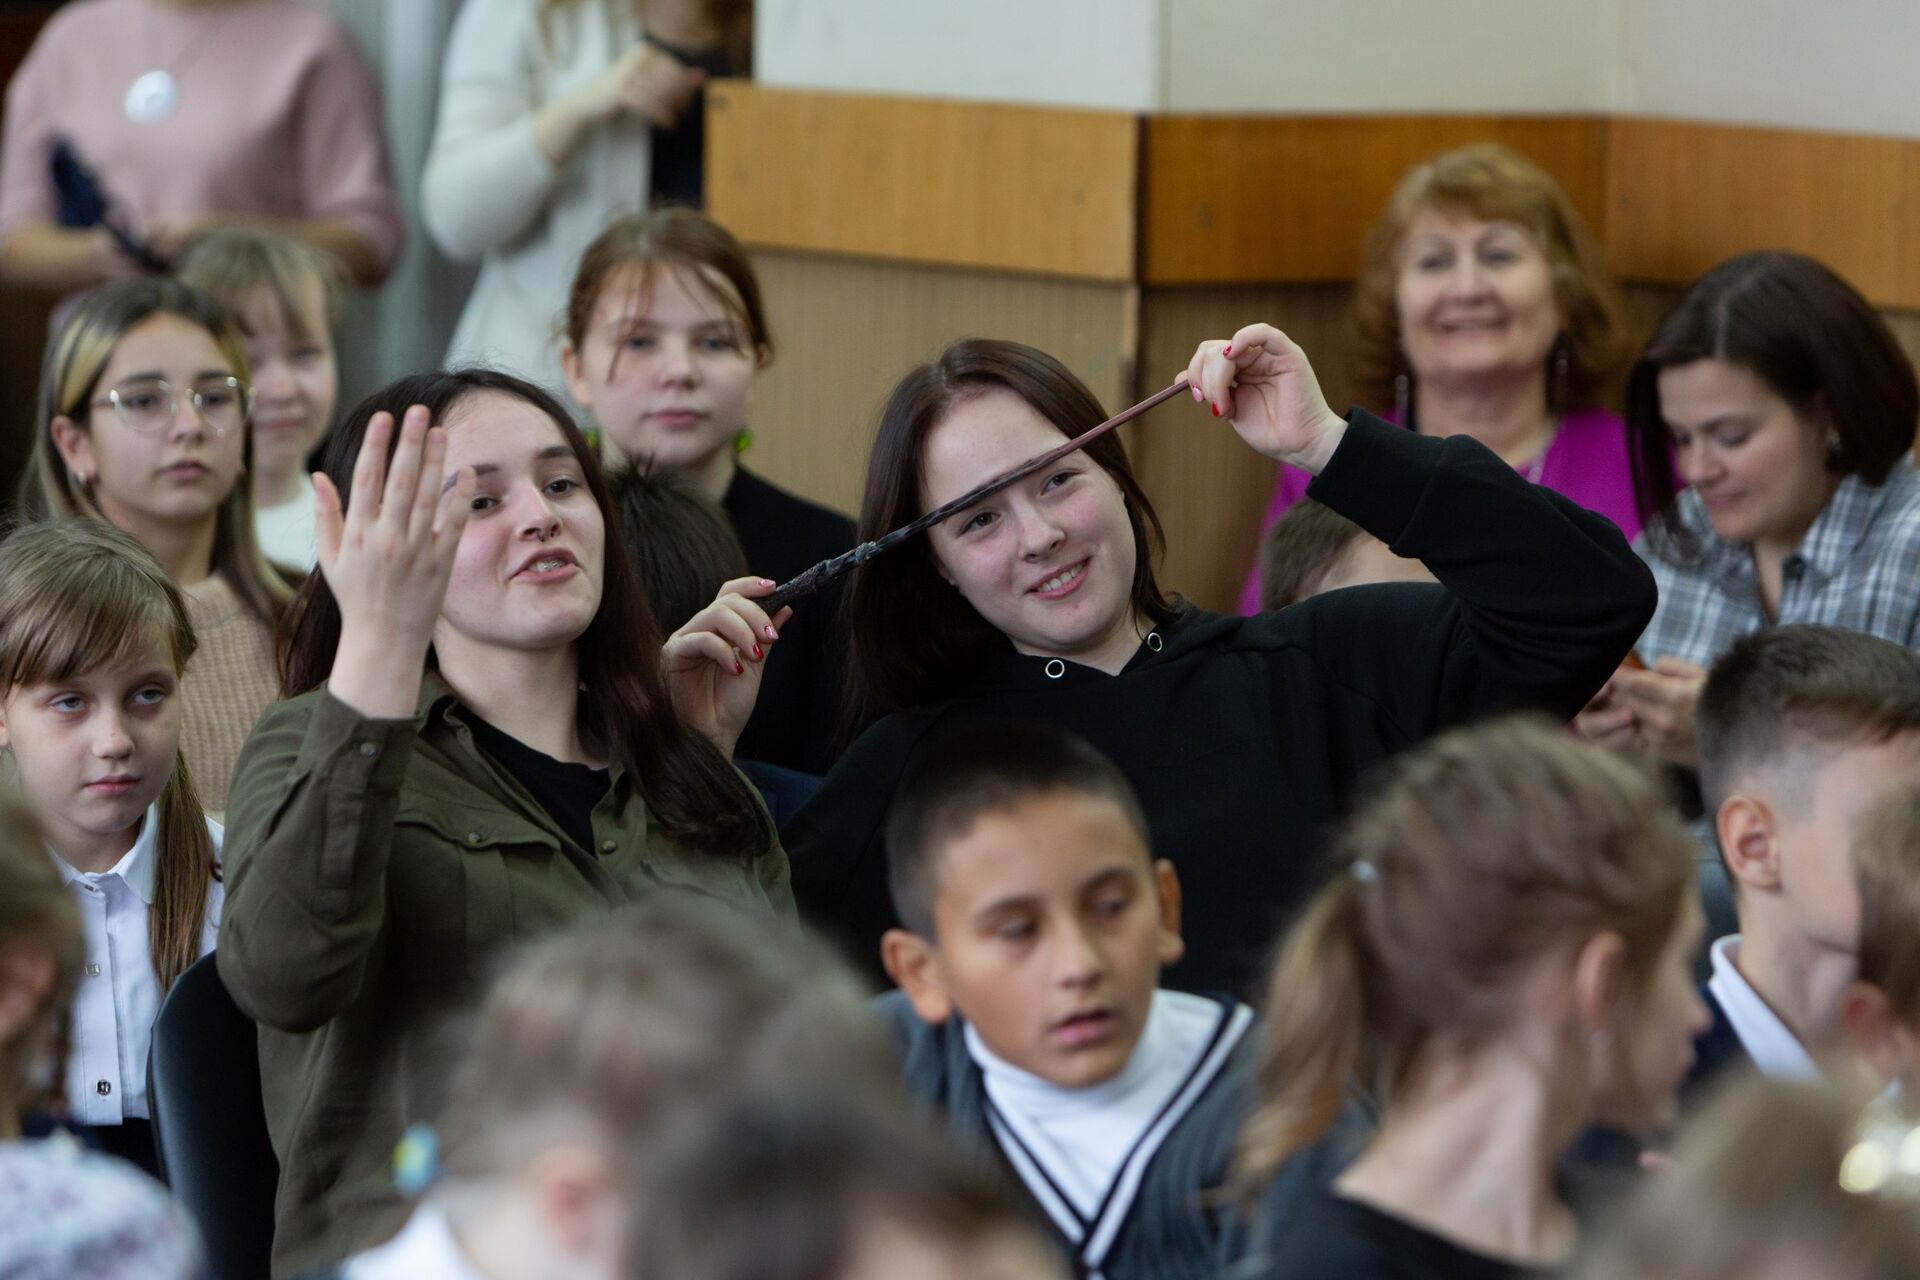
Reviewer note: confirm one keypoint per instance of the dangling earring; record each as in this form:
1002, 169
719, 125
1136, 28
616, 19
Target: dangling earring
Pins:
1834, 447
742, 442
1403, 399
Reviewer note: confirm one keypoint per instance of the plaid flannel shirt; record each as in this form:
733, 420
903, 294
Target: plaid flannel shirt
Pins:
1858, 567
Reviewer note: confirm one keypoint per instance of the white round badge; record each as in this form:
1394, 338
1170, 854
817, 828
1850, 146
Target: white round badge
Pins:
152, 97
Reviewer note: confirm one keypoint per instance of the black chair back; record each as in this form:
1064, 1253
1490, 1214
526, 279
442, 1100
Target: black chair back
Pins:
209, 1125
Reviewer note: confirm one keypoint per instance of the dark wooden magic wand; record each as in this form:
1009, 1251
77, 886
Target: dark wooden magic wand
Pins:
827, 570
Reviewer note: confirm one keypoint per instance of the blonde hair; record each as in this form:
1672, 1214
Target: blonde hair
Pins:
633, 1023
235, 265
1493, 183
36, 910
1488, 850
69, 377
1754, 1189
1886, 866
75, 594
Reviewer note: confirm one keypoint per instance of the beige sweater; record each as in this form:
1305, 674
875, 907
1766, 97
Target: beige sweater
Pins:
229, 682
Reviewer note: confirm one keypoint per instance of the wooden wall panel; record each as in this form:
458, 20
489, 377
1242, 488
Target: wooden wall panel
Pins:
846, 330
1008, 188
1209, 488
1234, 199
1683, 196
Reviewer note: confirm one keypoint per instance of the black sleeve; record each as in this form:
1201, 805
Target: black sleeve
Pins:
836, 844
1539, 599
826, 680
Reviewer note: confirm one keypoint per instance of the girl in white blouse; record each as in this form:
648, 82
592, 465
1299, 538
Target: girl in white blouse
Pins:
93, 637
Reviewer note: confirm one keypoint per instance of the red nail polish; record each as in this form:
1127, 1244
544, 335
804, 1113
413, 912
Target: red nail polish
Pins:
739, 670
1216, 410
756, 653
1227, 350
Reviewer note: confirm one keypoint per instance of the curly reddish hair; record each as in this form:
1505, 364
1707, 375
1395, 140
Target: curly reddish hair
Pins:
1493, 183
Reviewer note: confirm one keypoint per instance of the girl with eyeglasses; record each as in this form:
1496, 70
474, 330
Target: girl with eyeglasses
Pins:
143, 423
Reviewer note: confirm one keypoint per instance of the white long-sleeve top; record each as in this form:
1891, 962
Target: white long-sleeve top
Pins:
119, 995
490, 192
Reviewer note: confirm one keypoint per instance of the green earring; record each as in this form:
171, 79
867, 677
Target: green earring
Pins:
742, 442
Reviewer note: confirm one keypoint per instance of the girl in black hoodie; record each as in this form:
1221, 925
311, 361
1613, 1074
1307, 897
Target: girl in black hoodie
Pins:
1242, 736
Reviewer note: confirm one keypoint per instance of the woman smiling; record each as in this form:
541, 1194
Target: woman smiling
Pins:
1484, 308
1242, 736
484, 739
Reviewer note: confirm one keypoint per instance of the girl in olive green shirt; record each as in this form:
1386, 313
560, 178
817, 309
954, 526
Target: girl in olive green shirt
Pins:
479, 745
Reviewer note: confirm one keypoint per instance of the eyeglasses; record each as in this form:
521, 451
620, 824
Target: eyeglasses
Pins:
149, 404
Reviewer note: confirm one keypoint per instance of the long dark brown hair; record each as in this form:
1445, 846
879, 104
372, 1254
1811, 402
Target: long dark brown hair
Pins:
1810, 337
934, 655
693, 791
76, 594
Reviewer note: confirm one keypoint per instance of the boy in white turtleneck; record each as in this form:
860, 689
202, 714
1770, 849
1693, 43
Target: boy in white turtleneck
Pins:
1037, 923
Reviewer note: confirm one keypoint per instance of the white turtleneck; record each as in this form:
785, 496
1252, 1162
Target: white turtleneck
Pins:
1083, 1136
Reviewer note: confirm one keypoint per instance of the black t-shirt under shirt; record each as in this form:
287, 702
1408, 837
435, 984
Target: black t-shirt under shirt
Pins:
1338, 1237
567, 791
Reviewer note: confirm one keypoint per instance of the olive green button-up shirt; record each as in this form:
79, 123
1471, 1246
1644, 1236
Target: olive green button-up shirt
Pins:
374, 871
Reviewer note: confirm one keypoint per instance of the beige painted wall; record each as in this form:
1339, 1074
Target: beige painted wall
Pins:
1843, 65
1080, 53
1393, 55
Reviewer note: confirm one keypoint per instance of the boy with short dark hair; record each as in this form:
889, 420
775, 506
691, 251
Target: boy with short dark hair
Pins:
1037, 923
1803, 729
1881, 1010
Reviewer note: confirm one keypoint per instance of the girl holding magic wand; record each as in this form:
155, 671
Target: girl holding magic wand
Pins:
1243, 736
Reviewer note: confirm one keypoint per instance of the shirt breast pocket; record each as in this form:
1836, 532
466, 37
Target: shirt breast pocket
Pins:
467, 883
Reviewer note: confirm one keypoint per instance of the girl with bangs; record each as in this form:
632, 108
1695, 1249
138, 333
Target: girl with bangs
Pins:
287, 296
666, 333
93, 640
144, 422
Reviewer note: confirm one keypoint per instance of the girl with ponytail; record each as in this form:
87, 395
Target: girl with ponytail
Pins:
93, 639
1502, 961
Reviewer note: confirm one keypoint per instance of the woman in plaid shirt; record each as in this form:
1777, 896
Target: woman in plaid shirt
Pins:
1780, 400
